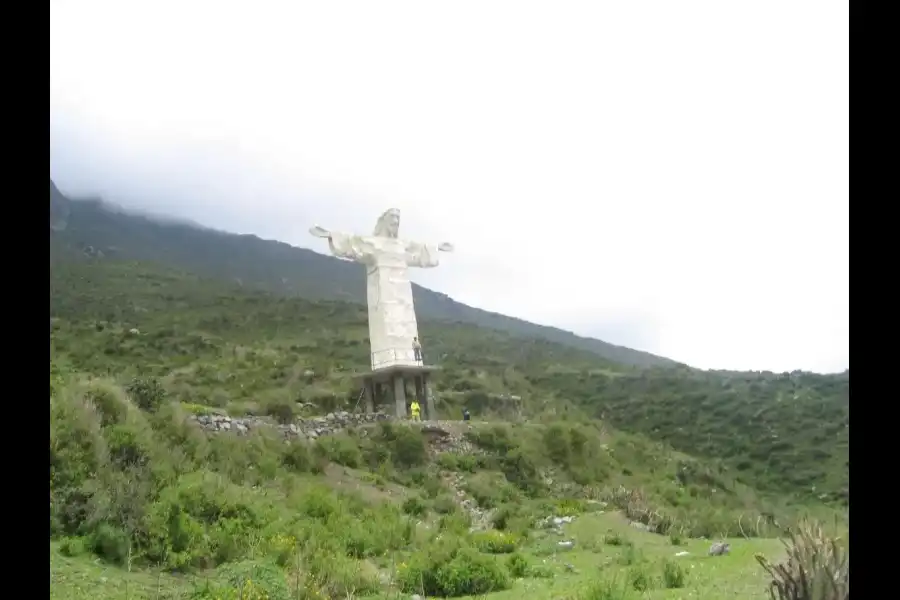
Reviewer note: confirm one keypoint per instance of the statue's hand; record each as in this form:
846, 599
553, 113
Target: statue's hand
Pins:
445, 247
320, 232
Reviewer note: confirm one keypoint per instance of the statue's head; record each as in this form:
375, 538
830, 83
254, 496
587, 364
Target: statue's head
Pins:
388, 224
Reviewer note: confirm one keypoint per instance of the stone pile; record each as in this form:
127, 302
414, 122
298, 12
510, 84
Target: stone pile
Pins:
442, 437
308, 428
481, 518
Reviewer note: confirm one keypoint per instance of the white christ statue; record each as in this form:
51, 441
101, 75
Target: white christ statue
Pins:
392, 316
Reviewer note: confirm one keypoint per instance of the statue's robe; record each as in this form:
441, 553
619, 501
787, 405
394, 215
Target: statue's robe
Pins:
392, 316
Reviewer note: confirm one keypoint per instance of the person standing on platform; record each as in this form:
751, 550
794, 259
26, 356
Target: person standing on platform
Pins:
417, 350
415, 411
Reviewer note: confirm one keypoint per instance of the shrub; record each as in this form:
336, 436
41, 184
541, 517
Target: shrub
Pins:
340, 449
570, 507
403, 446
444, 504
604, 590
415, 506
817, 567
451, 569
521, 471
540, 572
513, 518
517, 565
296, 457
147, 393
455, 522
494, 542
110, 543
73, 546
246, 580
485, 494
281, 410
332, 574
556, 442
639, 577
613, 538
112, 405
674, 575
495, 439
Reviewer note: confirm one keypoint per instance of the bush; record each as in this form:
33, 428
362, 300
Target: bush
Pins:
517, 565
246, 580
570, 507
513, 518
613, 538
340, 449
281, 410
604, 590
495, 439
639, 577
109, 400
485, 493
455, 522
403, 446
817, 567
111, 544
73, 546
451, 570
332, 574
296, 457
494, 542
147, 393
521, 471
415, 506
674, 575
556, 442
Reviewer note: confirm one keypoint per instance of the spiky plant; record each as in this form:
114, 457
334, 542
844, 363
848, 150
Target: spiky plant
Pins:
817, 567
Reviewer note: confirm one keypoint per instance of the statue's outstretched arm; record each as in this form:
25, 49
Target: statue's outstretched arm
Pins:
345, 245
424, 255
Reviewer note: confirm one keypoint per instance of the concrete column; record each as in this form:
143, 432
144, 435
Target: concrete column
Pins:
400, 396
429, 398
369, 393
417, 384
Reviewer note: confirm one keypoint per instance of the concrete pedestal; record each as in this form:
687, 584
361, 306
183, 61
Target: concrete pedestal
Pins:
399, 383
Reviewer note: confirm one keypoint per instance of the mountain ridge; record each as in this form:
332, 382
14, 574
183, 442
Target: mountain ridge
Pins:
99, 228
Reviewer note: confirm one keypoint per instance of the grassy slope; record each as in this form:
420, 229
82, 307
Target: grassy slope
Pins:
206, 504
710, 578
283, 269
217, 344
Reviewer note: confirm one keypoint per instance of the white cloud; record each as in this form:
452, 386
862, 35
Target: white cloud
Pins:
683, 167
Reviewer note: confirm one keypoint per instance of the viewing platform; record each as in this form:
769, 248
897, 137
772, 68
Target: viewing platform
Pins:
395, 378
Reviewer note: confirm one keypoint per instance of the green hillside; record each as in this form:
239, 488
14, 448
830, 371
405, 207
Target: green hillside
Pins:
217, 344
651, 464
283, 269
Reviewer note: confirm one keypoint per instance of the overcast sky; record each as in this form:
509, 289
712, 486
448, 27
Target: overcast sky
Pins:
669, 176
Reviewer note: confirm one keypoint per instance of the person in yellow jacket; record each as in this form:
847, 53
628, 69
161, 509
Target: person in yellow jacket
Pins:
415, 410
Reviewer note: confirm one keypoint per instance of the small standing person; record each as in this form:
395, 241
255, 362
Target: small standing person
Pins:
417, 350
415, 411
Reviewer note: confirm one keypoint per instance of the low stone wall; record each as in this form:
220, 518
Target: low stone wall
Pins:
441, 436
312, 427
